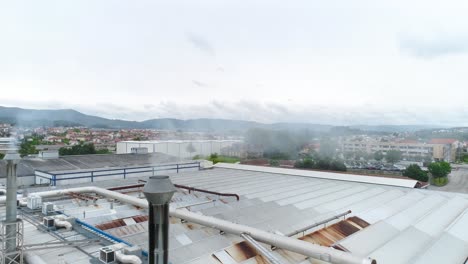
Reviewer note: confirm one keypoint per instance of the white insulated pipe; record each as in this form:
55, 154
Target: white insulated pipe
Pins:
287, 243
61, 223
32, 258
130, 259
23, 202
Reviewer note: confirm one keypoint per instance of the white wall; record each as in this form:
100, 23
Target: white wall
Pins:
177, 148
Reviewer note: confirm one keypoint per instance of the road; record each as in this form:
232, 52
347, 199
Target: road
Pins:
458, 180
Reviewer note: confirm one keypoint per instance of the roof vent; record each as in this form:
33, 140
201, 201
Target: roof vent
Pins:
139, 150
158, 191
107, 255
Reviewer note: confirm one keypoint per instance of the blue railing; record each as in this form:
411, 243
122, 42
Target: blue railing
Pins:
54, 177
107, 235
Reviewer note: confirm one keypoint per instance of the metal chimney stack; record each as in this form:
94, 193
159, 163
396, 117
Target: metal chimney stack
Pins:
158, 191
11, 204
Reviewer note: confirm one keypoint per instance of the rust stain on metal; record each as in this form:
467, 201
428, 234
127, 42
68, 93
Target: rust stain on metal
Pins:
111, 224
358, 221
330, 235
261, 260
241, 251
120, 222
140, 218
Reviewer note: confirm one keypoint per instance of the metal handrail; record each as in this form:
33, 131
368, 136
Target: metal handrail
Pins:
190, 189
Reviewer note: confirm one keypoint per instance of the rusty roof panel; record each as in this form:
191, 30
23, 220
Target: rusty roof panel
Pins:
111, 224
358, 221
241, 251
336, 232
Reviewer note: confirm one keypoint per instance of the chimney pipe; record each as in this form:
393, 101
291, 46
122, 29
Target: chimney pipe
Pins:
11, 202
158, 191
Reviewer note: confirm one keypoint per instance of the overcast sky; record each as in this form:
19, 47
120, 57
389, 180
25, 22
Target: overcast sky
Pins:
337, 62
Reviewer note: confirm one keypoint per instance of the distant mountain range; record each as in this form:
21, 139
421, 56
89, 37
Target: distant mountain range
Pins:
69, 117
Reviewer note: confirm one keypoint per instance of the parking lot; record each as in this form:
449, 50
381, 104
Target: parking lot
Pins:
458, 180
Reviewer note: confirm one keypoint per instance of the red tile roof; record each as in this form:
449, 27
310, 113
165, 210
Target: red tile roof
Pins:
408, 141
442, 141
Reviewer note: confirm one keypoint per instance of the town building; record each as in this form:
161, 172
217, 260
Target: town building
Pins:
436, 149
446, 148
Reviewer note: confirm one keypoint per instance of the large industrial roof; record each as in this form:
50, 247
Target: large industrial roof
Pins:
27, 166
393, 224
325, 175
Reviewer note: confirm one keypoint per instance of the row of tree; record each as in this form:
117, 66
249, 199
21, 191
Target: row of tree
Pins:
81, 149
436, 169
320, 164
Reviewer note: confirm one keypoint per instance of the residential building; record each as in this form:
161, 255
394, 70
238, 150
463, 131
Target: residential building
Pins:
436, 149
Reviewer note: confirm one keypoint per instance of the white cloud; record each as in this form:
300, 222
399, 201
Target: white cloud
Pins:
434, 44
265, 60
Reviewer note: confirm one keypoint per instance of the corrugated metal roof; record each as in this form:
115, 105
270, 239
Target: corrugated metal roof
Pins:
406, 225
27, 166
324, 175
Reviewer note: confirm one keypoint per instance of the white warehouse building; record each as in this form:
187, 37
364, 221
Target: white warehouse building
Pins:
179, 148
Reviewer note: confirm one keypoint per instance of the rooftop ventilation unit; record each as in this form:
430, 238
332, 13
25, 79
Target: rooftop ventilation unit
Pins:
107, 255
48, 154
139, 150
48, 222
47, 208
34, 202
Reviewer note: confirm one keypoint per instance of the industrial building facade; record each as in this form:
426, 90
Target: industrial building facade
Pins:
183, 149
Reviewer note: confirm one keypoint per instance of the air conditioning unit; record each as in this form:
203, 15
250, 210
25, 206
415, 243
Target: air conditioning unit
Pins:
47, 208
107, 255
34, 202
48, 222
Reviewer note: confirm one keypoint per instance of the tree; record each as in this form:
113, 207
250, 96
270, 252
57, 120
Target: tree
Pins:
439, 169
413, 171
103, 151
274, 163
306, 163
80, 149
378, 155
27, 148
393, 156
323, 164
2, 156
337, 165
